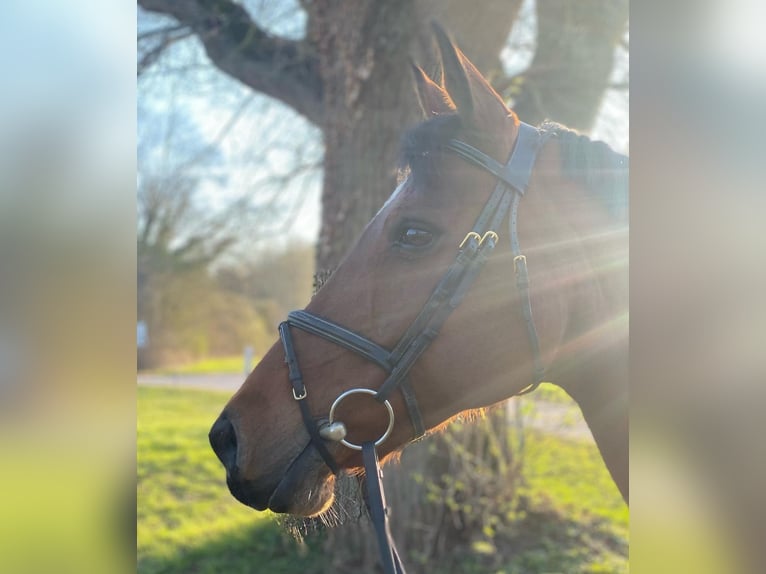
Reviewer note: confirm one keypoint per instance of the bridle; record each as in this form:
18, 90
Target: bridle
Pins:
512, 182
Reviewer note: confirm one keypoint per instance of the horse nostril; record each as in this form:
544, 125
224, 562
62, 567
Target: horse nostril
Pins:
223, 439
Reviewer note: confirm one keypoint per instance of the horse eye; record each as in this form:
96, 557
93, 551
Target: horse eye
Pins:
415, 237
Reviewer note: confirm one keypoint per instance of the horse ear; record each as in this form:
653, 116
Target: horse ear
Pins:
475, 98
434, 100
454, 74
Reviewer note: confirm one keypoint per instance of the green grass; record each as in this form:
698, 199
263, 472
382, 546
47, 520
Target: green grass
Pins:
551, 393
566, 476
234, 364
570, 519
187, 520
571, 513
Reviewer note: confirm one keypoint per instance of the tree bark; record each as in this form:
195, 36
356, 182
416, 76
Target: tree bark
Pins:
368, 100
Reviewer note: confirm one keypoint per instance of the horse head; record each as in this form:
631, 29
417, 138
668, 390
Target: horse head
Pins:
481, 351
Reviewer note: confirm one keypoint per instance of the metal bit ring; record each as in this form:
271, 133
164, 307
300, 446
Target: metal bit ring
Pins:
388, 406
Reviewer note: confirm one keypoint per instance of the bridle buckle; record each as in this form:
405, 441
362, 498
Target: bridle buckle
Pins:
519, 260
491, 234
468, 236
302, 396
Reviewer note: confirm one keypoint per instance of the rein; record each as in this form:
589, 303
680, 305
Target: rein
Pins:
513, 180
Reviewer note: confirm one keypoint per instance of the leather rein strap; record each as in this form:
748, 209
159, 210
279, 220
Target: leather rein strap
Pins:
513, 180
376, 506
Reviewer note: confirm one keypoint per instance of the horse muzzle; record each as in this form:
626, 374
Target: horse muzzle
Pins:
303, 488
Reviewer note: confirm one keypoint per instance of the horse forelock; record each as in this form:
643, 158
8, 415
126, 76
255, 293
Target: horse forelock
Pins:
423, 145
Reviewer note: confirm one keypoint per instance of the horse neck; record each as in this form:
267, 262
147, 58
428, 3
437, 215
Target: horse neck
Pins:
591, 357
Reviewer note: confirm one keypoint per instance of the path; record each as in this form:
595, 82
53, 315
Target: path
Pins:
561, 419
212, 382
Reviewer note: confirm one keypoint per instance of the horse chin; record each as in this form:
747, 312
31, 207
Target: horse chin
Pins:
307, 488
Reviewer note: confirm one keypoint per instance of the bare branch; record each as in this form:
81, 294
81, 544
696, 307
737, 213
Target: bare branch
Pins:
160, 32
284, 69
213, 145
169, 37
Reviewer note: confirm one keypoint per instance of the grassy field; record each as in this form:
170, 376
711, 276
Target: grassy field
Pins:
570, 519
548, 392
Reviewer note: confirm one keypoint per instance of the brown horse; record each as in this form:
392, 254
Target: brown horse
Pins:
575, 244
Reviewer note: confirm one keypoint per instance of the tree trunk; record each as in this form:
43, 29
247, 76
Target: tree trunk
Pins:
573, 61
363, 63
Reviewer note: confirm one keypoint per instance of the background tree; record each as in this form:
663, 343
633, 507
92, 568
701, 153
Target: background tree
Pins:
180, 236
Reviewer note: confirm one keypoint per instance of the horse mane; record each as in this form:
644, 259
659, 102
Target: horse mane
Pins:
594, 165
591, 163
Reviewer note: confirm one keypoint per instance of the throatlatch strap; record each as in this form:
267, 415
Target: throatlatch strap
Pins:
522, 283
